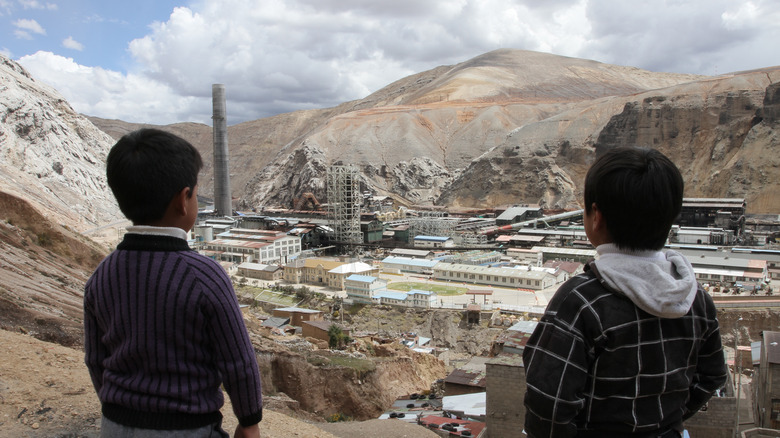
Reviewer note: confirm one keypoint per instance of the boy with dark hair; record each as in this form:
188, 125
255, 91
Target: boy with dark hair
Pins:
162, 325
630, 347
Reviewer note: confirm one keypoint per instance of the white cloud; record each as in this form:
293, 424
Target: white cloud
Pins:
34, 4
113, 95
70, 43
5, 51
25, 26
686, 37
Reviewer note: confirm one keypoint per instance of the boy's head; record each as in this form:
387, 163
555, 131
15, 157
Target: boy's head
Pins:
638, 192
147, 168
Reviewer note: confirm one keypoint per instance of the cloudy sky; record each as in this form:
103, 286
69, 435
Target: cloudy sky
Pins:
154, 61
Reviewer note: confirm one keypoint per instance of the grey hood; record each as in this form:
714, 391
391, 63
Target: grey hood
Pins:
660, 283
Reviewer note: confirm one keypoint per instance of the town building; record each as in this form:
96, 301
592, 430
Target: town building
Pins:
422, 299
519, 240
526, 277
260, 271
505, 390
433, 242
472, 257
531, 257
362, 288
513, 339
412, 253
515, 215
567, 254
407, 264
298, 315
462, 381
319, 329
240, 245
325, 272
709, 212
728, 270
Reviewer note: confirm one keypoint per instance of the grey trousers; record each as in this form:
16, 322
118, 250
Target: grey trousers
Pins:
109, 429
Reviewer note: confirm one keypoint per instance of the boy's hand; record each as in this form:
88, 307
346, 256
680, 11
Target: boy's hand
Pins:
247, 432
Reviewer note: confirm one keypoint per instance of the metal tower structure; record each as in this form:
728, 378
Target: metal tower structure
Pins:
432, 223
344, 201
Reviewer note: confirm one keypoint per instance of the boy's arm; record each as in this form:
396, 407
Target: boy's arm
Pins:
94, 351
556, 364
711, 371
236, 358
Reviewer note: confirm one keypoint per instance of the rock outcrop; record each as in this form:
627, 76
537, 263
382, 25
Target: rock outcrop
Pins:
50, 155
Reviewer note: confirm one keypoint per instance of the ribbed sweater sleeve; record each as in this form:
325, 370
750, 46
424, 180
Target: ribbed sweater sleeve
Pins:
163, 330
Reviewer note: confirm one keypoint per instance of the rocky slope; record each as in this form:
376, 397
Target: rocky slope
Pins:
43, 268
511, 127
50, 155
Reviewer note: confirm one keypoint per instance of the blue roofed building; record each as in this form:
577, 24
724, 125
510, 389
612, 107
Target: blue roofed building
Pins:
393, 298
361, 288
421, 298
433, 242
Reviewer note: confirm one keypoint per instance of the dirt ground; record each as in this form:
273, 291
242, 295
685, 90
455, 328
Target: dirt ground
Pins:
45, 391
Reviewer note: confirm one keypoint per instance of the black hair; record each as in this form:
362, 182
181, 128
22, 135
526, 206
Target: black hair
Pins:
639, 193
147, 168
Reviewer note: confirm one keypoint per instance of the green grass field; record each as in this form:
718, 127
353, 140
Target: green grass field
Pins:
406, 286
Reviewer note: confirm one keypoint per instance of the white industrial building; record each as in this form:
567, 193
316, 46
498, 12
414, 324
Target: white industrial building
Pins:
525, 277
255, 246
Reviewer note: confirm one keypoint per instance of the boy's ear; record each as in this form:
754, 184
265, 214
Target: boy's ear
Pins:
180, 201
597, 219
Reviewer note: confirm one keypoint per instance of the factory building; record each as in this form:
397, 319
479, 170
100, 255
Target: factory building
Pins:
526, 277
256, 246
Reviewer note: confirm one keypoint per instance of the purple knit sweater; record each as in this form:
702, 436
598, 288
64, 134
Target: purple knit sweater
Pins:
162, 331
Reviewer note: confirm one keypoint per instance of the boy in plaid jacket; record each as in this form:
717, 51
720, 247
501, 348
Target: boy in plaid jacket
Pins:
630, 347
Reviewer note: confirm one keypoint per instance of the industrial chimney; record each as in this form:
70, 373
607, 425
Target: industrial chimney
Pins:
222, 199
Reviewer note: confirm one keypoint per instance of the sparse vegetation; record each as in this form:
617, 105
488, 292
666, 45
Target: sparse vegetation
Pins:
406, 286
337, 417
359, 365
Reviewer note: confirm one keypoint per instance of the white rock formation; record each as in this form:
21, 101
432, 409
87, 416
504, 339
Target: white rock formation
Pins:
50, 155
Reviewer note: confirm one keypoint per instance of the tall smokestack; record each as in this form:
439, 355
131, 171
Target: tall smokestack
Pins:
222, 200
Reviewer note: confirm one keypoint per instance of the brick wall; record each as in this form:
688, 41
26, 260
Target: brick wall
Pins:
505, 387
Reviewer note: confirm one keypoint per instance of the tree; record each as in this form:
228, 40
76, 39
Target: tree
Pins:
336, 337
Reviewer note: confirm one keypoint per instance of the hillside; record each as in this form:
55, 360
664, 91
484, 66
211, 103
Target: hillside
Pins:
510, 127
44, 268
50, 155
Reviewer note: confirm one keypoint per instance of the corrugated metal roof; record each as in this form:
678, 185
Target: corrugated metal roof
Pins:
297, 310
361, 278
433, 238
423, 263
401, 296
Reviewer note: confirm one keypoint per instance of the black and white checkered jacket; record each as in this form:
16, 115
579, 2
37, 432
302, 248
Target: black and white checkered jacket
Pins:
597, 365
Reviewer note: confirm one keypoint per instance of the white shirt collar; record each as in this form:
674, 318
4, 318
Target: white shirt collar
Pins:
158, 231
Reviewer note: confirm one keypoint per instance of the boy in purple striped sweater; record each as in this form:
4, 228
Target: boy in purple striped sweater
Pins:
163, 329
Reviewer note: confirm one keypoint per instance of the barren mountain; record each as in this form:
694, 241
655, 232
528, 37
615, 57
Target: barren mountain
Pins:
510, 127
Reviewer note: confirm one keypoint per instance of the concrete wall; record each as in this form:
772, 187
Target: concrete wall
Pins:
717, 421
505, 393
